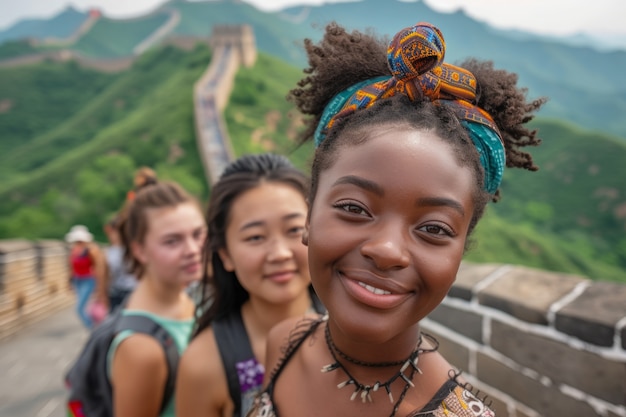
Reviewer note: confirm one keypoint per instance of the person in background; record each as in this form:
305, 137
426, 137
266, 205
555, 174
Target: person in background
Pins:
163, 231
121, 281
260, 277
87, 272
409, 152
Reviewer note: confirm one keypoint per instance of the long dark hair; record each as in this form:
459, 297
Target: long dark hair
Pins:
221, 292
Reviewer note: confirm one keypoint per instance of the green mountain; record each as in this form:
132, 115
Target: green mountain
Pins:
35, 100
591, 96
78, 170
62, 25
75, 166
574, 206
17, 48
274, 35
116, 38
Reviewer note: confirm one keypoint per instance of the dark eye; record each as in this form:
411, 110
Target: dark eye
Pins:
297, 230
352, 208
438, 230
254, 238
199, 234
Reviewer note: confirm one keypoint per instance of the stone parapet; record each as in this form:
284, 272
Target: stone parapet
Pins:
34, 282
539, 343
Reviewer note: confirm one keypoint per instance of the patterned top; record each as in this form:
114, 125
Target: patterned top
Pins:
453, 399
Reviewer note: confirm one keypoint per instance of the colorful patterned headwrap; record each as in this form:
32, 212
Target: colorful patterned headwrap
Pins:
415, 58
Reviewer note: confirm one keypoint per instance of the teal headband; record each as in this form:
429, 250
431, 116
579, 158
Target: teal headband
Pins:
491, 151
415, 58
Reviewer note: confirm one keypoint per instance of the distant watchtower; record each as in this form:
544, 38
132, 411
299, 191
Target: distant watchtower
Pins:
239, 36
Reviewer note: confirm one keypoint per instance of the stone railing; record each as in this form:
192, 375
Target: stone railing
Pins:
538, 343
34, 282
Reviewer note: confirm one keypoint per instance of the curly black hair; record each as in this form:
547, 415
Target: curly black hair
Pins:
342, 59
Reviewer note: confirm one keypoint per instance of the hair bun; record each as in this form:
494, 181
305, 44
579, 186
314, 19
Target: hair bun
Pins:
415, 50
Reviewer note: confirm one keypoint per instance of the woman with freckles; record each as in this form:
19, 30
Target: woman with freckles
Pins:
409, 151
164, 231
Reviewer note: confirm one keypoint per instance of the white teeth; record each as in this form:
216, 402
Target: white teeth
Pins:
374, 289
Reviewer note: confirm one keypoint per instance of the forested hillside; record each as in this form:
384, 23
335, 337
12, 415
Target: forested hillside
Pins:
74, 165
78, 169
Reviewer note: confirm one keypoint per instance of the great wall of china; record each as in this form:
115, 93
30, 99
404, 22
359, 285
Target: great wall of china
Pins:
540, 344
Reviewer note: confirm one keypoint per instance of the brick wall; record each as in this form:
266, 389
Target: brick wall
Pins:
33, 282
538, 343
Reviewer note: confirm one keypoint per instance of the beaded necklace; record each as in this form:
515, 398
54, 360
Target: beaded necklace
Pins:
364, 391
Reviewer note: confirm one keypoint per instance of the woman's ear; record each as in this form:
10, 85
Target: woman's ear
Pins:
138, 252
227, 261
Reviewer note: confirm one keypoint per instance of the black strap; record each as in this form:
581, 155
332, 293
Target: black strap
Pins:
142, 324
234, 346
292, 347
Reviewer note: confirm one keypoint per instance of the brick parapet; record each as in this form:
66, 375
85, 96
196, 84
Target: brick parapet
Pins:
540, 343
33, 282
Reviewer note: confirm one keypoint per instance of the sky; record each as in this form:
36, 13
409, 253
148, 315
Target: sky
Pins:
547, 17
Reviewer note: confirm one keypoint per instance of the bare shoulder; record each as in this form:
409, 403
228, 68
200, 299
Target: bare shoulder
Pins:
282, 329
201, 360
201, 385
140, 351
282, 334
138, 376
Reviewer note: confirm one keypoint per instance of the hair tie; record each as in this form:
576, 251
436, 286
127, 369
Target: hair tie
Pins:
415, 58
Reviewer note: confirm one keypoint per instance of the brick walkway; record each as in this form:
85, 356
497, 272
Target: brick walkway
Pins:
32, 365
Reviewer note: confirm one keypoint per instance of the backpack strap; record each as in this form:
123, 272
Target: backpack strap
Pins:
143, 324
234, 346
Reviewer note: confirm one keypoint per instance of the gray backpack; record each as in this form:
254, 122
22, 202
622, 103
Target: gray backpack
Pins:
90, 391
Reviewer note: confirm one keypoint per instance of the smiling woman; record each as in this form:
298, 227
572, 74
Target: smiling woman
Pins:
258, 277
408, 155
414, 240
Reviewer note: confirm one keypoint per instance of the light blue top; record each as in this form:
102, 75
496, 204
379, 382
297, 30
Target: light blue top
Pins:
180, 330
